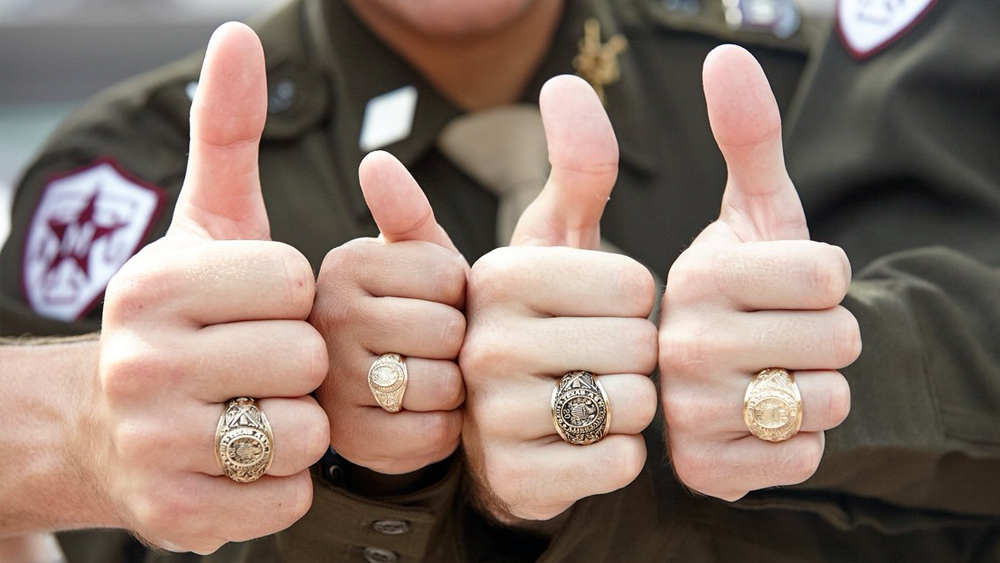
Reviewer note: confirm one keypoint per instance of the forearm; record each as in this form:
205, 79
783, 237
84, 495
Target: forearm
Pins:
47, 481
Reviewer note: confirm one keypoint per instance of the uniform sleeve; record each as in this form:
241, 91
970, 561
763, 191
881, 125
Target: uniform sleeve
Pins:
101, 188
897, 157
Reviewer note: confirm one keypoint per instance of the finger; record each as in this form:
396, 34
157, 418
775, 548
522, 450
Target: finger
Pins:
394, 443
760, 202
410, 327
267, 505
583, 152
299, 427
221, 196
432, 385
531, 478
774, 275
222, 282
557, 345
732, 468
254, 359
397, 203
826, 402
528, 412
829, 339
566, 282
413, 269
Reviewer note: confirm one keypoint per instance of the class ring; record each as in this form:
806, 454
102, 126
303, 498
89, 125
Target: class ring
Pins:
581, 412
772, 405
243, 441
387, 380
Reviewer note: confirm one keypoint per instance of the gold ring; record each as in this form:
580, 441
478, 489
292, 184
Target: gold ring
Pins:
243, 441
387, 380
772, 406
581, 412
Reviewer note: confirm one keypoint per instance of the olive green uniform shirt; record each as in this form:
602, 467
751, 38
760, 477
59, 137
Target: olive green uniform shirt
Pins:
896, 157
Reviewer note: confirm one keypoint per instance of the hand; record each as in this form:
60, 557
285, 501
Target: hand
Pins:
550, 304
751, 292
401, 293
212, 311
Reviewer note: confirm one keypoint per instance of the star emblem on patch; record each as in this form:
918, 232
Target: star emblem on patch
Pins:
867, 26
87, 224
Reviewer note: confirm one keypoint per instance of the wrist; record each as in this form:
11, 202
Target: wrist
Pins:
50, 441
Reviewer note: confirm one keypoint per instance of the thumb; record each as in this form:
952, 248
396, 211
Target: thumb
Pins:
397, 203
221, 196
760, 202
583, 152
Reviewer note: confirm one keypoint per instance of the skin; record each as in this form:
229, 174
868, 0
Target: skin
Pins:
233, 282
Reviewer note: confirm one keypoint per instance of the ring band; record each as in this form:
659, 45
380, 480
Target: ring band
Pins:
772, 406
387, 379
243, 441
581, 412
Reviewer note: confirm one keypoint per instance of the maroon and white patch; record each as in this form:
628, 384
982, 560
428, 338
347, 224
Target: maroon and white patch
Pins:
866, 26
87, 224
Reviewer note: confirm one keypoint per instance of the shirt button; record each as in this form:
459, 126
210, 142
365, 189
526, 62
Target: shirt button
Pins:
391, 527
378, 555
281, 96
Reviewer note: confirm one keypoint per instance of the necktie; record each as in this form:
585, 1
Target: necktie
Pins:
504, 150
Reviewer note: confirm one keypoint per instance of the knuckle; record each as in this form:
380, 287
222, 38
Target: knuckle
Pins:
135, 290
686, 280
683, 350
686, 413
452, 388
690, 469
644, 408
643, 342
803, 462
317, 433
490, 279
295, 505
828, 280
127, 371
453, 332
161, 513
629, 460
299, 281
451, 277
316, 358
846, 337
441, 429
839, 401
637, 284
479, 353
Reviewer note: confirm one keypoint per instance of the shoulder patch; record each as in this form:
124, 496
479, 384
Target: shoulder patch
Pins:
88, 223
866, 26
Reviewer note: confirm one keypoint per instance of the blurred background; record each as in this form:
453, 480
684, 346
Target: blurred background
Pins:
56, 53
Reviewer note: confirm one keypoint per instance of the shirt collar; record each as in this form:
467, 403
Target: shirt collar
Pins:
360, 67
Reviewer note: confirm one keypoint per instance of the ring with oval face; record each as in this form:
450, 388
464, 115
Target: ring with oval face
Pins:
387, 380
581, 412
244, 441
772, 405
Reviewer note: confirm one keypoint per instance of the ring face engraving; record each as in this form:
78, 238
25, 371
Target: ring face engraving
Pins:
580, 409
387, 380
772, 406
244, 441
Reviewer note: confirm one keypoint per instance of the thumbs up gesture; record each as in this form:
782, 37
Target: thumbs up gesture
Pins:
402, 293
551, 304
212, 311
751, 292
